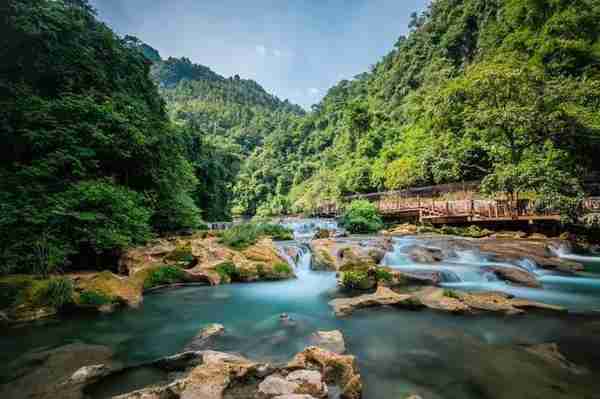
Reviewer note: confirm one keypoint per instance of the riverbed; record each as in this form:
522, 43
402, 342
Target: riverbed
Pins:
399, 352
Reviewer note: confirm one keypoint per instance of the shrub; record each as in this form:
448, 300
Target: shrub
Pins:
164, 275
282, 268
94, 298
245, 235
227, 271
355, 279
182, 256
451, 294
361, 216
383, 275
59, 292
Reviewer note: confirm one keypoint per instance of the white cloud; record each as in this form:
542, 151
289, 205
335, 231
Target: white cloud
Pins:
261, 50
277, 53
313, 91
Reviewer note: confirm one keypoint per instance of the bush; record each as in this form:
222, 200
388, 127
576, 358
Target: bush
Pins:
245, 235
59, 292
383, 275
282, 268
361, 216
164, 275
451, 294
355, 279
227, 271
182, 256
94, 298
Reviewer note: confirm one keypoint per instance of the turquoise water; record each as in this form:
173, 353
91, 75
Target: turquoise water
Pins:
399, 352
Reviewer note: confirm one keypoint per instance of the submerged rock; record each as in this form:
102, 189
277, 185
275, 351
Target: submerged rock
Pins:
205, 338
551, 354
58, 373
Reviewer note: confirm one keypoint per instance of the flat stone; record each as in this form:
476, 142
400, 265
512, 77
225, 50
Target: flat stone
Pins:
275, 386
382, 297
205, 337
330, 340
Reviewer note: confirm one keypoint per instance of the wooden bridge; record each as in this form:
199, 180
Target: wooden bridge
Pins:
404, 205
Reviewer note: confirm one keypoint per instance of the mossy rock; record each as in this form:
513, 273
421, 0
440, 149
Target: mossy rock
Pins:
109, 285
228, 272
25, 298
182, 256
357, 280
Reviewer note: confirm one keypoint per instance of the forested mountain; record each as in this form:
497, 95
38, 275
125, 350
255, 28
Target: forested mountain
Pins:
506, 91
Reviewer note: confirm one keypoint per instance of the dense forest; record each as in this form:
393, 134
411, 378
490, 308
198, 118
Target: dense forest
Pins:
503, 91
106, 144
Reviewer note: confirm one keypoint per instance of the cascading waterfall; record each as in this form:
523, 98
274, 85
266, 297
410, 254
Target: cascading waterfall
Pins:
564, 252
305, 229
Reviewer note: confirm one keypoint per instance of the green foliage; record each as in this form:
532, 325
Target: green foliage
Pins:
504, 92
451, 294
361, 216
227, 271
90, 162
355, 279
164, 275
282, 268
245, 235
59, 292
182, 256
383, 275
94, 298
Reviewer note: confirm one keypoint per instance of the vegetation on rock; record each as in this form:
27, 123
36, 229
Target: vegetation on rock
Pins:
164, 275
361, 216
245, 235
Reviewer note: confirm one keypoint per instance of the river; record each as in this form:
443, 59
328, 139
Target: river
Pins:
399, 352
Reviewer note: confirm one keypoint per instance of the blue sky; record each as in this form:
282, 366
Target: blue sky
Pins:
296, 49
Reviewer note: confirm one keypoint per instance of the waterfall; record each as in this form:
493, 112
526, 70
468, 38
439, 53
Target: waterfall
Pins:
564, 252
305, 229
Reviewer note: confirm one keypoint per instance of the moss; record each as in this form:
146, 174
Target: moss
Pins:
182, 256
164, 275
356, 280
94, 298
245, 235
282, 268
30, 292
227, 271
451, 294
383, 275
260, 269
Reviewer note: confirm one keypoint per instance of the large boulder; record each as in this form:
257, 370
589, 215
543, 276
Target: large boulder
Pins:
384, 296
516, 276
421, 254
62, 372
217, 375
330, 340
346, 254
340, 370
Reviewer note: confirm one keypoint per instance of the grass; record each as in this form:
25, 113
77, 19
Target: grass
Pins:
227, 271
383, 275
245, 235
182, 256
34, 291
282, 268
451, 294
164, 275
94, 298
354, 279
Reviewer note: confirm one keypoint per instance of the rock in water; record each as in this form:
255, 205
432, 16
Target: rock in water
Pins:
421, 254
330, 340
205, 338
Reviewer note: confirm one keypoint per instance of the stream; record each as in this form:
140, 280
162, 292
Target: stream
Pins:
399, 353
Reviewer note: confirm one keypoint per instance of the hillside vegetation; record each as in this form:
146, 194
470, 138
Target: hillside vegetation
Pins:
504, 91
